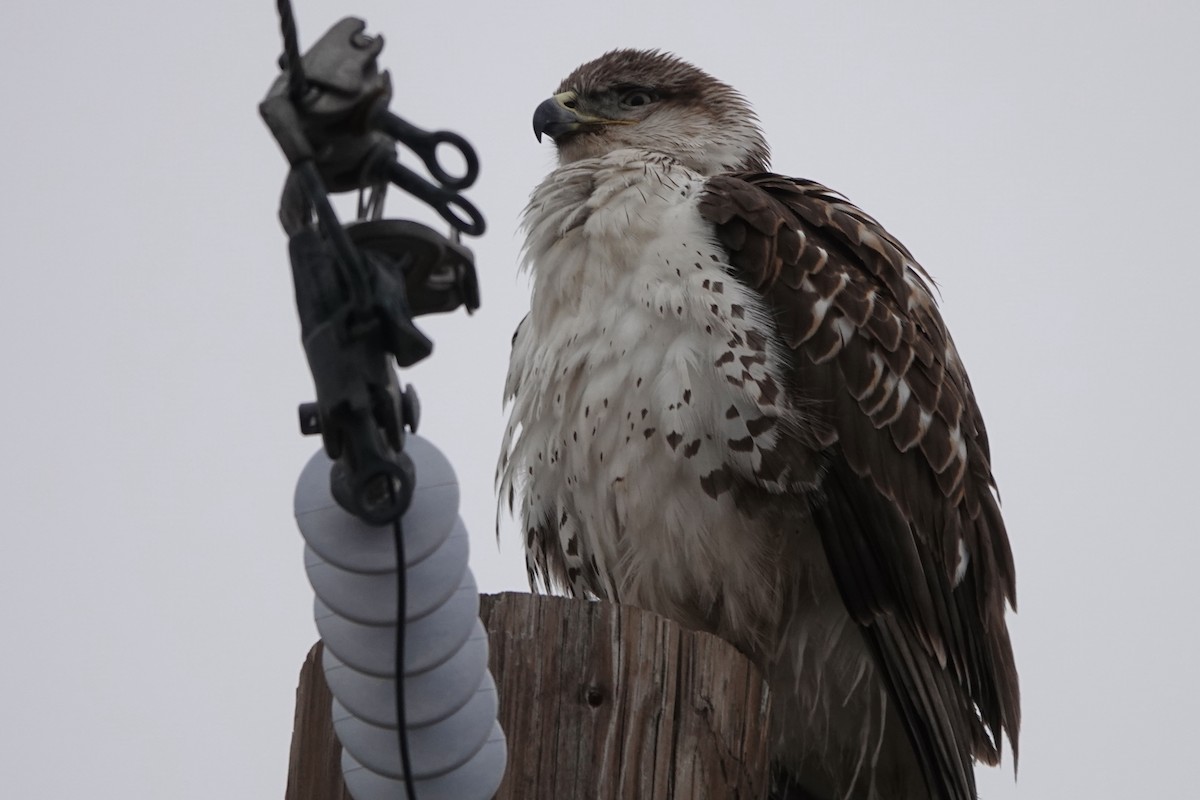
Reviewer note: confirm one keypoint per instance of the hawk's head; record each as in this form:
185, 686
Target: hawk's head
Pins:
654, 101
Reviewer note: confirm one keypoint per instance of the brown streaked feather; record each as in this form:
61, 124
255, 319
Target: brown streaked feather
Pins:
906, 479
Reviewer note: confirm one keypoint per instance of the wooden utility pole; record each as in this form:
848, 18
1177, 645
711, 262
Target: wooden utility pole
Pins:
315, 763
598, 702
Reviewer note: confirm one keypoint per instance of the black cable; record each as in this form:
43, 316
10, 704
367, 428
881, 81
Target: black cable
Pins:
306, 196
297, 85
354, 274
401, 614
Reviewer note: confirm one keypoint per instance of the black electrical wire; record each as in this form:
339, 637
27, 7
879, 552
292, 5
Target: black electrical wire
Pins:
297, 85
401, 617
355, 283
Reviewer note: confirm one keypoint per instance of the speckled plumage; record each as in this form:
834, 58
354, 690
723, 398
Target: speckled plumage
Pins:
734, 403
622, 371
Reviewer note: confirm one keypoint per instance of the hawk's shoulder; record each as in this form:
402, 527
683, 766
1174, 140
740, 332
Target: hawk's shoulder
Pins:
906, 508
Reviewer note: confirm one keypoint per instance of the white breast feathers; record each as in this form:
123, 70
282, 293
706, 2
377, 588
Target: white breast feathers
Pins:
642, 382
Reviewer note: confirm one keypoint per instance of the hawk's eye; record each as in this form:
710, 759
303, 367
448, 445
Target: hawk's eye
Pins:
638, 97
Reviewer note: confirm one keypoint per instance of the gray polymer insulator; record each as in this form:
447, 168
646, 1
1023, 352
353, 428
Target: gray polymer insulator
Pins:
456, 747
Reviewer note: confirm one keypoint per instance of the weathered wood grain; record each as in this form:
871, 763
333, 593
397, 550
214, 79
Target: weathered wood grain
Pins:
601, 701
598, 702
314, 768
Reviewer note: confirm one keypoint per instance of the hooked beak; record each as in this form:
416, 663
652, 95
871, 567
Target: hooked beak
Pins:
560, 115
554, 118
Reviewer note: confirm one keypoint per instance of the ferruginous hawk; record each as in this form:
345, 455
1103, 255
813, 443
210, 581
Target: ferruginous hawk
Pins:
734, 403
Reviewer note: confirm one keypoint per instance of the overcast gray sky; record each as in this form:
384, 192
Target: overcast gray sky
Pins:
1039, 159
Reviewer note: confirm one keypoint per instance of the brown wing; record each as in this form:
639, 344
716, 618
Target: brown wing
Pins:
906, 494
